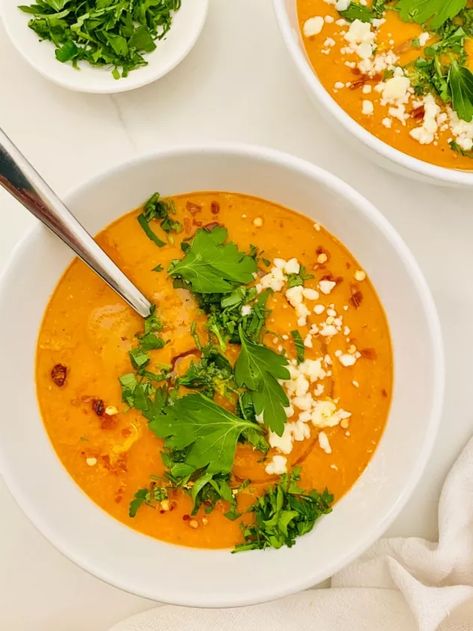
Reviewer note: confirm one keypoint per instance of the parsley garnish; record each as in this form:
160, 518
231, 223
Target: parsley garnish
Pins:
212, 373
225, 314
294, 280
158, 209
433, 13
283, 513
111, 33
211, 265
460, 81
149, 496
207, 431
299, 344
258, 368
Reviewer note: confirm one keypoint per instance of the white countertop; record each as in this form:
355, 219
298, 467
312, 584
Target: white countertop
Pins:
238, 84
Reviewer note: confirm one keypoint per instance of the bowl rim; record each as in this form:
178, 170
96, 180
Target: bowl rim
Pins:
424, 169
132, 82
285, 160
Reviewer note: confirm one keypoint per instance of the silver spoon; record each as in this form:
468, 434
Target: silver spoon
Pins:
20, 179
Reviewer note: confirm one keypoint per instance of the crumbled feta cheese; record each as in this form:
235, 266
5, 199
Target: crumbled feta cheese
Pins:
245, 310
319, 309
347, 360
292, 266
360, 275
310, 294
426, 133
325, 414
423, 38
313, 26
461, 130
387, 122
367, 107
91, 461
277, 465
326, 286
324, 443
367, 89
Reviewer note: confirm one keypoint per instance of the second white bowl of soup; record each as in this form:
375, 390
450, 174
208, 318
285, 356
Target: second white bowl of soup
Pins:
304, 321
383, 77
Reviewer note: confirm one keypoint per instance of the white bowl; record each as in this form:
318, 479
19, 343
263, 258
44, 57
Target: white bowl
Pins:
210, 578
375, 149
185, 30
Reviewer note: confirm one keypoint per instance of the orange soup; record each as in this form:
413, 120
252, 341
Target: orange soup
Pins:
248, 402
401, 72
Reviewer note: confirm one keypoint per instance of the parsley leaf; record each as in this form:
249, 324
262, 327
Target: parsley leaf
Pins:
226, 314
212, 266
149, 495
299, 344
155, 209
294, 280
460, 81
432, 12
212, 373
284, 513
207, 431
357, 11
102, 32
259, 368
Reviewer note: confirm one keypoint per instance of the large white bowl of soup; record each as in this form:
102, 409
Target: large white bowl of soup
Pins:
392, 77
268, 420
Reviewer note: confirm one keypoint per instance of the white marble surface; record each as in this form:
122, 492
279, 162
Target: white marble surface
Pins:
237, 84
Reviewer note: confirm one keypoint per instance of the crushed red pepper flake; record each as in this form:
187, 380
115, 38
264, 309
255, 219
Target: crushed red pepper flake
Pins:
356, 297
109, 422
193, 208
59, 375
98, 406
214, 208
368, 353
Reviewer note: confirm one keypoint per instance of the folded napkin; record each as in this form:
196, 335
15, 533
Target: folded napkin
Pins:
398, 585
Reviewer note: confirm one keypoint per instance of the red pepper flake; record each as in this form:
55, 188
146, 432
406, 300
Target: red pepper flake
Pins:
193, 208
126, 431
384, 393
356, 297
109, 422
98, 406
59, 374
210, 226
368, 353
418, 113
187, 225
214, 208
186, 517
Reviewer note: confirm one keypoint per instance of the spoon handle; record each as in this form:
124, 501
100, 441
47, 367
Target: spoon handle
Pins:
20, 179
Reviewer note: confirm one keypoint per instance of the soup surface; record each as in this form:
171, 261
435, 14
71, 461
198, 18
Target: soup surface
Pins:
399, 71
268, 359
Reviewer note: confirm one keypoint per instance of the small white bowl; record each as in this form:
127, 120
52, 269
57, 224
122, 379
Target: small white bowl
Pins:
377, 150
170, 51
216, 578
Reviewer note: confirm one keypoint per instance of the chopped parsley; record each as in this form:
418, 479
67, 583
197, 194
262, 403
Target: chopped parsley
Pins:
158, 209
299, 345
294, 280
283, 513
110, 33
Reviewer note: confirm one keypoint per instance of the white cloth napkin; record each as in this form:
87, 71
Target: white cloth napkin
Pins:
398, 585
